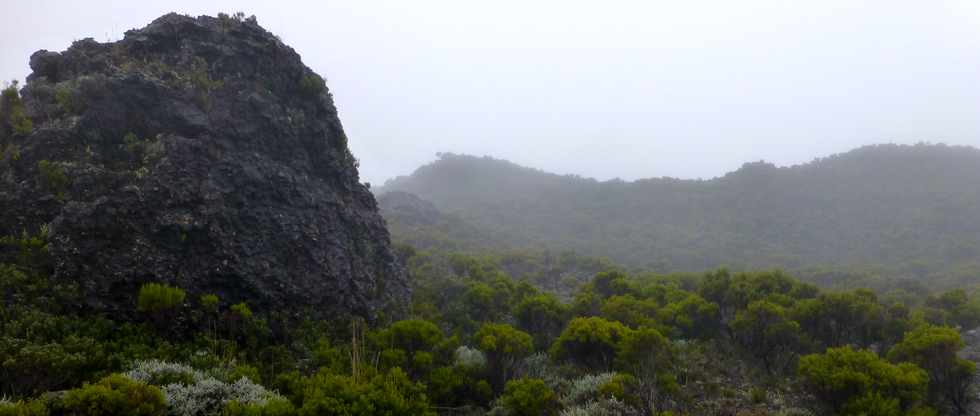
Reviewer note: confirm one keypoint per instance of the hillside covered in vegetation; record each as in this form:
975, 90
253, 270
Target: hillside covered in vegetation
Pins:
184, 233
903, 211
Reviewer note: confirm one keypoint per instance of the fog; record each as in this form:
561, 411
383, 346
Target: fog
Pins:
601, 89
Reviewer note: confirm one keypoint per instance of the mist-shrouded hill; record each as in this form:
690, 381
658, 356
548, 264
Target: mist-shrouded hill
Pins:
912, 211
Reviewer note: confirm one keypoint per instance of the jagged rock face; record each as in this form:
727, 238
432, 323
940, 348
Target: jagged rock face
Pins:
199, 152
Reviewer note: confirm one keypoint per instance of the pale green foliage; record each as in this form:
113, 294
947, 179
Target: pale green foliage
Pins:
844, 377
115, 395
935, 350
585, 389
158, 297
208, 396
242, 310
467, 357
191, 392
209, 302
13, 120
604, 407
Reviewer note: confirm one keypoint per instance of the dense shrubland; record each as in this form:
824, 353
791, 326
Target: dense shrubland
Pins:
480, 341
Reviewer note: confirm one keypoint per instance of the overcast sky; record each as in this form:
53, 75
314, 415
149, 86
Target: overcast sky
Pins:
599, 88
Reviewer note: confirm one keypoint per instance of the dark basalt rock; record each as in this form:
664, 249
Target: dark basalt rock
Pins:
200, 152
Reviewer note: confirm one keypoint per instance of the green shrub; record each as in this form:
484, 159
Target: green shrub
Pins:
53, 177
387, 394
13, 120
529, 397
115, 395
23, 408
209, 302
241, 311
844, 377
758, 395
277, 407
935, 350
157, 297
590, 342
312, 85
69, 98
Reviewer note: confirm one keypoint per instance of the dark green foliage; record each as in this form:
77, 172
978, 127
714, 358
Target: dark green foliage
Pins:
312, 85
543, 316
835, 319
529, 397
52, 176
767, 333
954, 308
908, 212
115, 395
682, 343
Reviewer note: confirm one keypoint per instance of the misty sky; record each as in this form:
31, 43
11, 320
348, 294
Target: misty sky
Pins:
603, 89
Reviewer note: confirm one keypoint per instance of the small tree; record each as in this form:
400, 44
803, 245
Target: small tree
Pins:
409, 344
844, 378
529, 397
13, 119
648, 355
504, 347
934, 349
590, 342
543, 316
767, 333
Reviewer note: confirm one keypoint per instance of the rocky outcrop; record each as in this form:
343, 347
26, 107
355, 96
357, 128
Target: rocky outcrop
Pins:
200, 152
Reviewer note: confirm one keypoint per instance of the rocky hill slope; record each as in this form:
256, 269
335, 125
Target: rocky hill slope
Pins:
909, 211
199, 152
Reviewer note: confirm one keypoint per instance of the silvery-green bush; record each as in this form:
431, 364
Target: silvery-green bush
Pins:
584, 389
192, 392
605, 407
161, 373
540, 366
470, 357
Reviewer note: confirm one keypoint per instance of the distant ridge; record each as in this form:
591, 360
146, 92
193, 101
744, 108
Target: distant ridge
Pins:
910, 210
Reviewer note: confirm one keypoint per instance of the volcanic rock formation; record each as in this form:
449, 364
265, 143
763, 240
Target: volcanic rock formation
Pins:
203, 153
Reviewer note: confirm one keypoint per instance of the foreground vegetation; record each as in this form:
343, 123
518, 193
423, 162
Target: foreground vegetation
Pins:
480, 341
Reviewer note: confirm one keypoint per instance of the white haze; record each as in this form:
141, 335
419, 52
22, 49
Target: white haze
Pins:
602, 89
